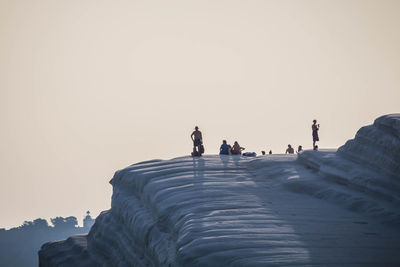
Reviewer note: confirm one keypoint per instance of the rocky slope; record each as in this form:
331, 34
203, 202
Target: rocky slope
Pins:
318, 208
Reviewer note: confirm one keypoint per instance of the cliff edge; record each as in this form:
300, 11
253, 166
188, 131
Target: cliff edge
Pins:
323, 207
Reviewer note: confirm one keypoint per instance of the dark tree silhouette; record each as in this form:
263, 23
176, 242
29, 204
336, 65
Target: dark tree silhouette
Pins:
65, 223
19, 245
40, 224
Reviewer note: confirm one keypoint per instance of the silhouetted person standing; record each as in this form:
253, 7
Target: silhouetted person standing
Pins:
289, 150
197, 138
270, 152
315, 129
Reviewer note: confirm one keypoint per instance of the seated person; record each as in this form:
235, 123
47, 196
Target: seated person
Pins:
225, 148
290, 150
299, 149
237, 149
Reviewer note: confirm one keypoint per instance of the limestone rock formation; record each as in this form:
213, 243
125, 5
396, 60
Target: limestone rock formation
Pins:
325, 207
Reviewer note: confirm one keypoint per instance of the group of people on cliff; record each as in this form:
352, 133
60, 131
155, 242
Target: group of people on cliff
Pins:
227, 149
236, 149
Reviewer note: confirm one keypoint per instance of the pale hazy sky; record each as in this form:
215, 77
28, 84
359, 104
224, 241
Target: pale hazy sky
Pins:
89, 87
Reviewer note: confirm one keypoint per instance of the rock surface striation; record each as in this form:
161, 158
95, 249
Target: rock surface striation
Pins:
338, 208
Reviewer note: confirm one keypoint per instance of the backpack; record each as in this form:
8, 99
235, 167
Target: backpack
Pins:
201, 149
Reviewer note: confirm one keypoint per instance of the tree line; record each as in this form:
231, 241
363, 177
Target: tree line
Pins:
19, 245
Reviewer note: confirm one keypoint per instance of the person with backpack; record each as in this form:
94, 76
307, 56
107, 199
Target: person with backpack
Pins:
197, 139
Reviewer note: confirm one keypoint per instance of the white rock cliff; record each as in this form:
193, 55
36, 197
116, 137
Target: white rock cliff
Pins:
338, 208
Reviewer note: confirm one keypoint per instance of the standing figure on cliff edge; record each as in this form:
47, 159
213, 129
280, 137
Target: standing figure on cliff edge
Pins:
315, 129
197, 138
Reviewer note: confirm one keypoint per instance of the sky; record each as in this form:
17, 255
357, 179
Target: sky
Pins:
89, 87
